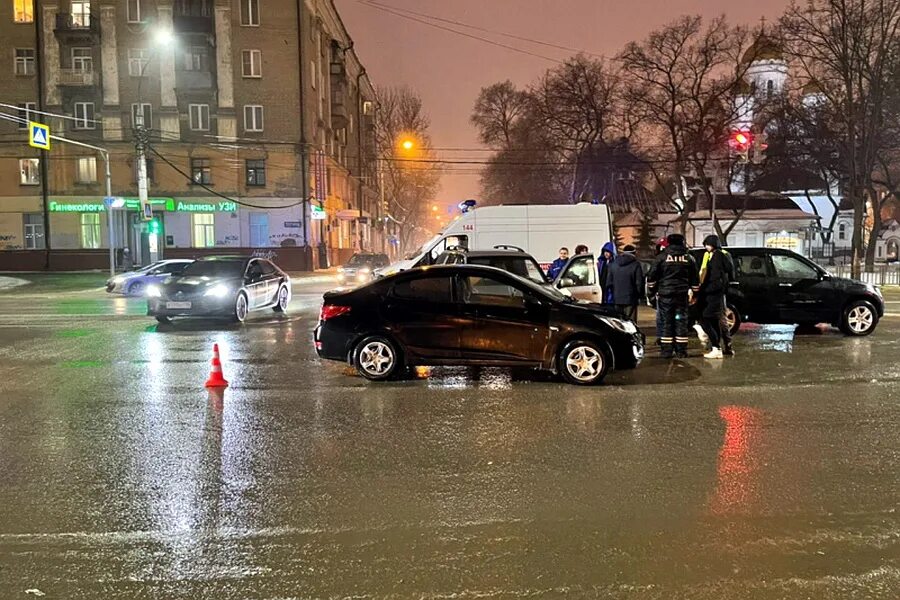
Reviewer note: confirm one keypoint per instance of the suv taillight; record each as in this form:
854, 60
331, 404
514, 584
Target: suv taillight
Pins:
330, 311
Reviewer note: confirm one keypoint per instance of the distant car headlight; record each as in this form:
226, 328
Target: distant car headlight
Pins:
218, 291
340, 269
621, 325
366, 270
153, 291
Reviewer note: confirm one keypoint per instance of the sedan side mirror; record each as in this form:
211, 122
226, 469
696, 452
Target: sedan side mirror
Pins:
566, 282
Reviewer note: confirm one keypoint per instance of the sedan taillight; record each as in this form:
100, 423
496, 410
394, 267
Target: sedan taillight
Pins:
330, 311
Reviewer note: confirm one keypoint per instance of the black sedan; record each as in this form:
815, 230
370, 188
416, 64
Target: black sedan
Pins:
227, 286
473, 315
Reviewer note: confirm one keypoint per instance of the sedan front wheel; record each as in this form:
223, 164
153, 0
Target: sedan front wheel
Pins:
583, 363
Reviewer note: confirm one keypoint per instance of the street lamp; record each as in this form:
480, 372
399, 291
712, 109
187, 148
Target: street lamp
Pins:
408, 144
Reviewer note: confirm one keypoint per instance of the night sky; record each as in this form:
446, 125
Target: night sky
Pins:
448, 69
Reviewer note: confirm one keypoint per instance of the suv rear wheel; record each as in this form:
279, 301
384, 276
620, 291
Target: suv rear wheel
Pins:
733, 318
859, 318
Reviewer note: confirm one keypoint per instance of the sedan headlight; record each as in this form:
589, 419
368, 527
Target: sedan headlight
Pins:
620, 324
218, 291
153, 291
365, 270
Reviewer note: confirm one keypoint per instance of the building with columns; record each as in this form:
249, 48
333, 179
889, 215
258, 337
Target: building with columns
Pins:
259, 118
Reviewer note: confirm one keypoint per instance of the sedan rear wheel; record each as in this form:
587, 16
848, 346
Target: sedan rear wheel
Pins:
376, 358
284, 298
583, 363
241, 308
859, 319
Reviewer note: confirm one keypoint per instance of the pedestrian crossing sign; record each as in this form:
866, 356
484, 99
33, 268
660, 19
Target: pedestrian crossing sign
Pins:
39, 135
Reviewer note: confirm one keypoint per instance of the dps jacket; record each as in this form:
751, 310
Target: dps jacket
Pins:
673, 273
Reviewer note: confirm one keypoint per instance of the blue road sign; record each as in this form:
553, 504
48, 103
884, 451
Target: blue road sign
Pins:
39, 135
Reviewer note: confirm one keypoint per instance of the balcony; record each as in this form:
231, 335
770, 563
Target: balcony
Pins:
75, 28
77, 78
339, 113
193, 80
192, 24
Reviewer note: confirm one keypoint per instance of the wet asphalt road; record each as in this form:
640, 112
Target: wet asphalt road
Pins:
772, 475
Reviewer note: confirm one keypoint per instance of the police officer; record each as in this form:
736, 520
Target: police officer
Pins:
673, 278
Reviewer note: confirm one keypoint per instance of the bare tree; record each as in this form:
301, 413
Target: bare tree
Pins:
685, 81
497, 113
411, 177
849, 49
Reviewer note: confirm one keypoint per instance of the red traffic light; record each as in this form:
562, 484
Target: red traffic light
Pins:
741, 139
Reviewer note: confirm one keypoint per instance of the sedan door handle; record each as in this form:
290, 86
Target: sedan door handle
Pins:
785, 285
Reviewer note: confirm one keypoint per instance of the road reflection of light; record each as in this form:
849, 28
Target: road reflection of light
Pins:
153, 354
860, 352
737, 465
120, 306
582, 411
779, 338
637, 427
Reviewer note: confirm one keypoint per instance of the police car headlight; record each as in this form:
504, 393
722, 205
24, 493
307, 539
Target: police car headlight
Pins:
620, 324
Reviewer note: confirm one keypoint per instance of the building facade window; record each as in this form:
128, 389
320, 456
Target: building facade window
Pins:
86, 170
138, 58
29, 171
84, 115
23, 11
134, 11
24, 61
256, 172
90, 230
199, 117
253, 117
193, 8
842, 232
203, 227
81, 13
196, 58
82, 60
201, 171
34, 231
250, 13
26, 113
251, 61
143, 109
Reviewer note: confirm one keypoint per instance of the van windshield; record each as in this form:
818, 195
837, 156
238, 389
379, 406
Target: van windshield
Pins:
423, 247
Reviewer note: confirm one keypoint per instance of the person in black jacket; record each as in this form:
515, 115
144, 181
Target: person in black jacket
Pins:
625, 280
674, 278
715, 273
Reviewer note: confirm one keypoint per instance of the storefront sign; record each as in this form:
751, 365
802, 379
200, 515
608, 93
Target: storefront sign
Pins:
292, 224
167, 204
317, 213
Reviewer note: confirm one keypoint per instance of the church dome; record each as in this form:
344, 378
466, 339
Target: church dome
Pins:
764, 48
812, 89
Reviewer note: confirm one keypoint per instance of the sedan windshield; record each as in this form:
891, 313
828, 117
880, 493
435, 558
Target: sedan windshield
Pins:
358, 260
214, 268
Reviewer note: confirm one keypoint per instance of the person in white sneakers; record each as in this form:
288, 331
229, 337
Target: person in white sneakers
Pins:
713, 285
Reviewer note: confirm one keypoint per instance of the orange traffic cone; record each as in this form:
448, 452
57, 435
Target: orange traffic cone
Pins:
216, 380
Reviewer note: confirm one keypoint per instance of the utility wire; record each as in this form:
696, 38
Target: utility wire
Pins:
457, 32
483, 29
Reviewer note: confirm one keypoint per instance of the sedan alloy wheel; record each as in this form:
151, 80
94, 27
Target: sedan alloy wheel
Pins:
583, 363
376, 358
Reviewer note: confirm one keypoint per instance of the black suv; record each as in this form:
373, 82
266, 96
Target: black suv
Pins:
779, 286
511, 259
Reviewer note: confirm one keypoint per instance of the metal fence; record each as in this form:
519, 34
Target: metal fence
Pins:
880, 275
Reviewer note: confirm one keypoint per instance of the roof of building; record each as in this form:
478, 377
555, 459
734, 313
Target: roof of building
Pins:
756, 205
764, 48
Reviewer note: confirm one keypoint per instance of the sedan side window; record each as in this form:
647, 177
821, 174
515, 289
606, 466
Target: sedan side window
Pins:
254, 271
792, 269
266, 266
750, 265
490, 292
426, 289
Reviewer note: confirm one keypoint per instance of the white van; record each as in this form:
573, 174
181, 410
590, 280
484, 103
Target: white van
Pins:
539, 229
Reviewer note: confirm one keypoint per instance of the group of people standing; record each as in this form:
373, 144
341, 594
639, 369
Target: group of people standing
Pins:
687, 295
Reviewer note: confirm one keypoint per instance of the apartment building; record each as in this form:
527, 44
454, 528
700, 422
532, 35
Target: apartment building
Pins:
259, 118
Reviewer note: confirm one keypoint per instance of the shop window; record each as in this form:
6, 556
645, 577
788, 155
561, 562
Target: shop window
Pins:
34, 231
201, 172
29, 171
86, 170
203, 227
23, 11
90, 230
256, 172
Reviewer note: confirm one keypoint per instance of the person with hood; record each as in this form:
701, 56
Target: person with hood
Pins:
674, 279
607, 255
716, 271
626, 283
557, 265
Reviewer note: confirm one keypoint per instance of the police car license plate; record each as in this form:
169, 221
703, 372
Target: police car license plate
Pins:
178, 305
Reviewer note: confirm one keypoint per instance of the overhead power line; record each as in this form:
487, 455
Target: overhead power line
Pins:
457, 32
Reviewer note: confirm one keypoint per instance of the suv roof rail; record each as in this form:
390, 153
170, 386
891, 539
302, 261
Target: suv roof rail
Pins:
508, 247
